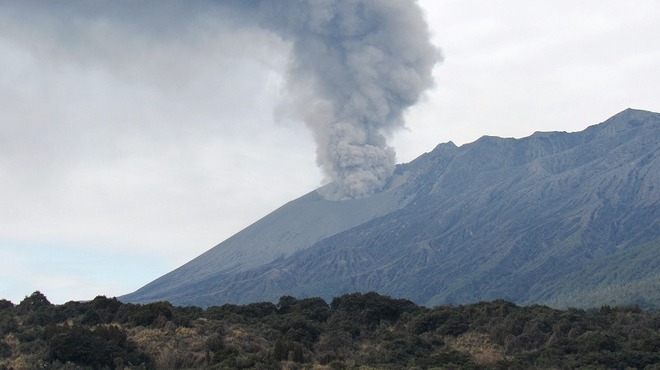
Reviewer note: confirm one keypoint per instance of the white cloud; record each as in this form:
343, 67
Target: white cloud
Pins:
515, 67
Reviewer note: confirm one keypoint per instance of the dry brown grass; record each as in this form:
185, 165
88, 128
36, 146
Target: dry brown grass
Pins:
479, 345
19, 361
172, 348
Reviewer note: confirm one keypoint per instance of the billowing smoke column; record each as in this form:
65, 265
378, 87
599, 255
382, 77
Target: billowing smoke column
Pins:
356, 65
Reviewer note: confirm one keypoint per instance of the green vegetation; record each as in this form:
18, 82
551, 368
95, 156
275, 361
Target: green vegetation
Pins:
354, 331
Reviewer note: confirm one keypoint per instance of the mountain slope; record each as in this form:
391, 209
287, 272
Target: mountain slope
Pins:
498, 218
296, 225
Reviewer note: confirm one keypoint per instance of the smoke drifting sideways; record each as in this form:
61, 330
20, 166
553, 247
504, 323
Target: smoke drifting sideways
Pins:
355, 67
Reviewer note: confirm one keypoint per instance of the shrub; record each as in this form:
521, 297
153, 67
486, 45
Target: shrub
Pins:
5, 350
445, 321
8, 323
372, 307
36, 301
286, 350
97, 348
6, 305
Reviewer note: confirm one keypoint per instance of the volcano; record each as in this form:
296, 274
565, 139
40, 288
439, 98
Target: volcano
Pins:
564, 219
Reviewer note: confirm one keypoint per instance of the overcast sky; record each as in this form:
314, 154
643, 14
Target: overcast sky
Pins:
134, 139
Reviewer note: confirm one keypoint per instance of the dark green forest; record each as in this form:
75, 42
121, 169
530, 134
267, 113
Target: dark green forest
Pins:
353, 331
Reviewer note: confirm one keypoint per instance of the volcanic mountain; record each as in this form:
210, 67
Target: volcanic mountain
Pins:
565, 219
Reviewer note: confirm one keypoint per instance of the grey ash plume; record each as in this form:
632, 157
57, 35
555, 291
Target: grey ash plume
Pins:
356, 65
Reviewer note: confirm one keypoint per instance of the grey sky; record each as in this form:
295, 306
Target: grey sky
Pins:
132, 140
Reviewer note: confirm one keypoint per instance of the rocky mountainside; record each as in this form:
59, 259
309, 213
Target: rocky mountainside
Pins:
551, 218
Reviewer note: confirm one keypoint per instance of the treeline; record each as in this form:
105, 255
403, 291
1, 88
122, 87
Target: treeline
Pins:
354, 331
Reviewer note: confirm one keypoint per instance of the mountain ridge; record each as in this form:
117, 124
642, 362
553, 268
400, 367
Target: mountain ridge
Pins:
496, 218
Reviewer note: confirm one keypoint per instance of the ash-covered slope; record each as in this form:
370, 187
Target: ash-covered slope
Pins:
297, 225
520, 219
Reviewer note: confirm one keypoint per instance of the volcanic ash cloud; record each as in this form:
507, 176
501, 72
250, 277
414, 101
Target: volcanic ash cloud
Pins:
355, 66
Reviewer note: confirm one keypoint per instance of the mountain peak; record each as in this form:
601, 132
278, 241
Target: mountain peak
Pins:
630, 118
